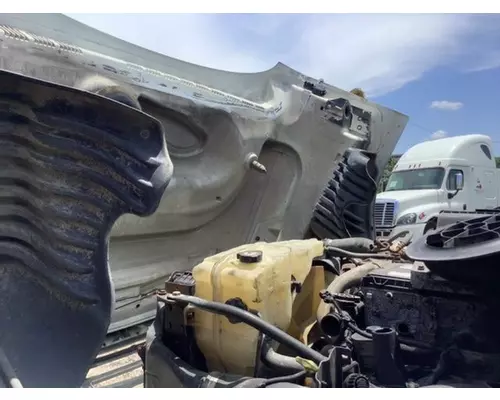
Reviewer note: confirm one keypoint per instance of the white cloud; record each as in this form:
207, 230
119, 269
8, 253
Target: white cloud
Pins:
447, 105
439, 134
377, 52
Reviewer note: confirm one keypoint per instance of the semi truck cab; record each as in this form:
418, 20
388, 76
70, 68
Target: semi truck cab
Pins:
456, 174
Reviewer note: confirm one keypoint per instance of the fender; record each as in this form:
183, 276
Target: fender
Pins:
72, 163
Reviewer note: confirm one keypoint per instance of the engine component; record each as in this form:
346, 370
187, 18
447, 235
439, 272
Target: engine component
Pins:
356, 381
71, 164
381, 323
449, 252
420, 306
363, 349
176, 319
388, 369
332, 325
164, 369
180, 371
259, 277
333, 371
344, 282
345, 208
400, 326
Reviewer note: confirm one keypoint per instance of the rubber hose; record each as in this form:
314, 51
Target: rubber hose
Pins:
338, 252
355, 245
344, 282
280, 379
278, 361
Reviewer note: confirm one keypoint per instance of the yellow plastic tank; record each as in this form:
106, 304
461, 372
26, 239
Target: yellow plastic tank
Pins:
260, 275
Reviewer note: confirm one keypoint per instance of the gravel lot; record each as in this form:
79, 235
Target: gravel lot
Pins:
129, 379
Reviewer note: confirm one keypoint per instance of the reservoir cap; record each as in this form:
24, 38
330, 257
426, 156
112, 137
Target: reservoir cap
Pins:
249, 257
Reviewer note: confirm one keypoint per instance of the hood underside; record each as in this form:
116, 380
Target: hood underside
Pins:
214, 124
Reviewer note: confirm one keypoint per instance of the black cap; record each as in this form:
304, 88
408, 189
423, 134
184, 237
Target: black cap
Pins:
250, 256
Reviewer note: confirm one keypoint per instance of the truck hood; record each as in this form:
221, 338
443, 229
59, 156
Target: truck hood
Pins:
407, 199
215, 124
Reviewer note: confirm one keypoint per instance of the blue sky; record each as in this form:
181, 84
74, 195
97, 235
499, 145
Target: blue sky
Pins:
442, 70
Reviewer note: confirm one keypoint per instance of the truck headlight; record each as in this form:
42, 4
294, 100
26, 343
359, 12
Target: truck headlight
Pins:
407, 219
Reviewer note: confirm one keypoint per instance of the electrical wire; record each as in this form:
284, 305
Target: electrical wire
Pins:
141, 297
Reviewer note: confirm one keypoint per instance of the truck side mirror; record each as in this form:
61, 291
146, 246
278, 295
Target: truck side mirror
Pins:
459, 181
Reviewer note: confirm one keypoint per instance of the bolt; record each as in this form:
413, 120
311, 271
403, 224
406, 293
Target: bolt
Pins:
258, 167
252, 162
161, 292
389, 295
145, 134
176, 293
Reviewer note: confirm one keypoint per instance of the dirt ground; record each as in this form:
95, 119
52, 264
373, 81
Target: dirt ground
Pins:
94, 373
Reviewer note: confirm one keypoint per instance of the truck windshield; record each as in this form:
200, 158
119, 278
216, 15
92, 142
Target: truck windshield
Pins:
415, 179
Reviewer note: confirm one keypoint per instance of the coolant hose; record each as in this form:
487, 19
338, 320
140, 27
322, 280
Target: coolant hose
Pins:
354, 245
337, 252
343, 282
278, 361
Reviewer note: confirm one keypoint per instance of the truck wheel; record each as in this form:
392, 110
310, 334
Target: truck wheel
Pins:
345, 208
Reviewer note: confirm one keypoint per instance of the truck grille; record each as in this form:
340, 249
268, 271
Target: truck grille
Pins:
384, 214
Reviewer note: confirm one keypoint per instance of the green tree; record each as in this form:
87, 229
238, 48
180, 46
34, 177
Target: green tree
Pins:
387, 172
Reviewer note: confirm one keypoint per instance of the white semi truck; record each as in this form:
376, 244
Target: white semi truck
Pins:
454, 174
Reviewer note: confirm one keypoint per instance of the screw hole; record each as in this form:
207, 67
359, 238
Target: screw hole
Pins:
218, 198
137, 305
257, 238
